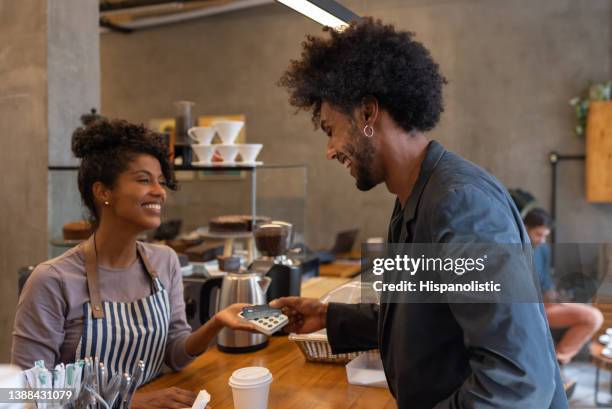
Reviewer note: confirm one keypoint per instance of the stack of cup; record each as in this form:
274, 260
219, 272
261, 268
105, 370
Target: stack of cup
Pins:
228, 132
228, 150
203, 149
250, 387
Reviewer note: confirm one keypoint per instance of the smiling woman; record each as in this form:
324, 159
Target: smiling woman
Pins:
124, 164
114, 297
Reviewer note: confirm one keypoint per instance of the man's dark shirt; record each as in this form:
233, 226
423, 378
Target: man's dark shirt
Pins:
456, 355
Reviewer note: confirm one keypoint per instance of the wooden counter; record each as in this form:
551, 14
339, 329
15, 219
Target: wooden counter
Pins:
340, 269
320, 286
296, 384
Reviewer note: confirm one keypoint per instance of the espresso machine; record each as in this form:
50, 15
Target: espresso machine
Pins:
273, 241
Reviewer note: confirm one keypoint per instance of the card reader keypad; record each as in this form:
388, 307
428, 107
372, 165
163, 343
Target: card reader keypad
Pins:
270, 324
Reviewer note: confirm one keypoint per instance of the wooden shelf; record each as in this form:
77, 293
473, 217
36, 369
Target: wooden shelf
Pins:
599, 153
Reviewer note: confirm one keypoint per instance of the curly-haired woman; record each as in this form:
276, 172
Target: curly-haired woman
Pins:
114, 297
375, 92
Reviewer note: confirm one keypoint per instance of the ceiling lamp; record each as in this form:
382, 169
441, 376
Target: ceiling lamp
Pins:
325, 12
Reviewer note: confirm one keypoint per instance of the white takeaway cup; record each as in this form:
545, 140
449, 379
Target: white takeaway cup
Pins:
251, 387
11, 377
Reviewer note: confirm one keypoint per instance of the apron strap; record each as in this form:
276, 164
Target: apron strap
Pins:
146, 262
93, 282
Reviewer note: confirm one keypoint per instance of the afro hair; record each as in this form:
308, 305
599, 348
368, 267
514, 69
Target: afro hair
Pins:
368, 59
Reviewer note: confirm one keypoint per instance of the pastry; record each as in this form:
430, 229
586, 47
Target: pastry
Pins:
235, 223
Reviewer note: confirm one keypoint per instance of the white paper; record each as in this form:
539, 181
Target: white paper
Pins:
202, 400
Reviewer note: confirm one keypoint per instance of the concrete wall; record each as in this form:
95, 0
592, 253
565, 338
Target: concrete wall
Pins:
74, 88
23, 159
512, 67
49, 76
74, 66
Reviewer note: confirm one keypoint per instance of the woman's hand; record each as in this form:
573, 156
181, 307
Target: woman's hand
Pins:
169, 398
199, 340
228, 317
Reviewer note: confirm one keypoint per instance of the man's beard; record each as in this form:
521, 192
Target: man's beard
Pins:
362, 151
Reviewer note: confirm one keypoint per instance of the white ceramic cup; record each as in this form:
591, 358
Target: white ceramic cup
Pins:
251, 387
204, 152
249, 151
228, 152
228, 130
202, 134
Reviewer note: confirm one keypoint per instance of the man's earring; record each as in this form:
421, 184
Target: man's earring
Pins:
106, 203
368, 131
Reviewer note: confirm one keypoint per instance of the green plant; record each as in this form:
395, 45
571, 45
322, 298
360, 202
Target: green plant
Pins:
595, 92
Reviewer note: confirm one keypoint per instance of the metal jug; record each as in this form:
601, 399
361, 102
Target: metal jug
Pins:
239, 287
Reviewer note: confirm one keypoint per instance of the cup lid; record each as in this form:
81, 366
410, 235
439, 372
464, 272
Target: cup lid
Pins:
250, 376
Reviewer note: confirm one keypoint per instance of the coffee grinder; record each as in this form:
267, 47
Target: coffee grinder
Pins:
183, 122
273, 241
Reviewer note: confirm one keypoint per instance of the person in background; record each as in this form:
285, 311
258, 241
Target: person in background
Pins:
582, 321
114, 297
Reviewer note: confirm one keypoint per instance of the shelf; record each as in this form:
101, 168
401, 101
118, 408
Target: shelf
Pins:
598, 172
224, 167
221, 168
207, 234
275, 189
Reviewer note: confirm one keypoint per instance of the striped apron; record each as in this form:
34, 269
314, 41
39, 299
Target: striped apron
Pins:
121, 334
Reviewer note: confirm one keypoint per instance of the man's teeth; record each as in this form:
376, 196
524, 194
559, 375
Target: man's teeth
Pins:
152, 206
344, 161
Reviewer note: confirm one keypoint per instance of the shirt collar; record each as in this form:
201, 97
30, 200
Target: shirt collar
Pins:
435, 151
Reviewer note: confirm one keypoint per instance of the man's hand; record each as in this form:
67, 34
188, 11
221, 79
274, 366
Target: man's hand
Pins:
169, 398
306, 315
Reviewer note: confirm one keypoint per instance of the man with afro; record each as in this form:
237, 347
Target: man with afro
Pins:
375, 92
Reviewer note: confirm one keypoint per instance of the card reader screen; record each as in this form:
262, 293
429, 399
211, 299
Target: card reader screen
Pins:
260, 311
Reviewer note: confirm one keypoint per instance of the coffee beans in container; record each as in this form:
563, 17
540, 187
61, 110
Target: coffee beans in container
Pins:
272, 239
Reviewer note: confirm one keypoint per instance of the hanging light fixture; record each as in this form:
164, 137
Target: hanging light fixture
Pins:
326, 12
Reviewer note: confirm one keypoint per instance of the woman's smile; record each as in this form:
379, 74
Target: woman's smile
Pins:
152, 208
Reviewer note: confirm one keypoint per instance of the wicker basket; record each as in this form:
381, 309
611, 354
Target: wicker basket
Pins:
316, 348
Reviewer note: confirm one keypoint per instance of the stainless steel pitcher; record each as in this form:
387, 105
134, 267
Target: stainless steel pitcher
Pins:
240, 287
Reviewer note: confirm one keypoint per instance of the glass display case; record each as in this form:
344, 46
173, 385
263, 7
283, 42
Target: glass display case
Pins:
275, 191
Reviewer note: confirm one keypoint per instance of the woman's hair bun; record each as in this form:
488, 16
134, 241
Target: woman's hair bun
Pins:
101, 136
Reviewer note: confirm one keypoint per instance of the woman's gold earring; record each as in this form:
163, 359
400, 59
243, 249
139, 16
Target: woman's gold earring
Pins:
368, 131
